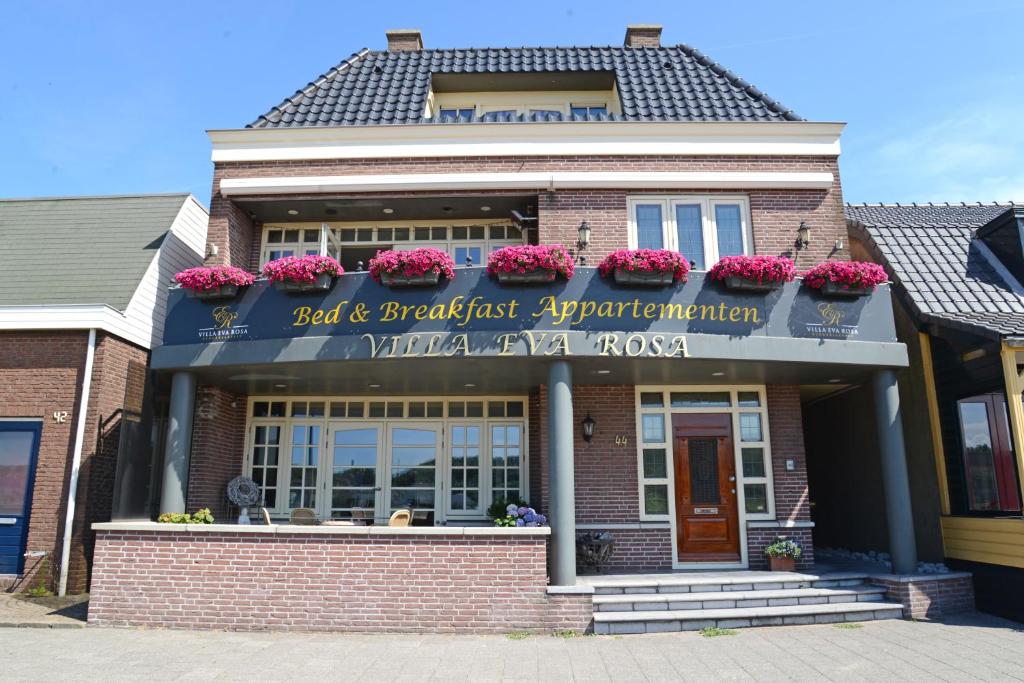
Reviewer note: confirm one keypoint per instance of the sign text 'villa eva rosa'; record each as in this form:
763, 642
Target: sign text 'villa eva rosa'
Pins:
445, 345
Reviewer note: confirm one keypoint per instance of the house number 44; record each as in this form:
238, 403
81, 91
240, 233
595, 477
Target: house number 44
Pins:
621, 440
60, 416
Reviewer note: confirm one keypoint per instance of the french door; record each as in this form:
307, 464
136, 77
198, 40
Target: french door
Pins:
19, 446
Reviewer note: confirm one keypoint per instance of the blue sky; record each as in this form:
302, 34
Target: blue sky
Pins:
115, 97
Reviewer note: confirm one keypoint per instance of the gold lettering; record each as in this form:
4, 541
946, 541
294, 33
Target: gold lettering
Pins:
607, 344
486, 312
547, 305
389, 311
678, 347
334, 315
734, 314
649, 310
512, 309
707, 311
672, 311
421, 312
621, 306
691, 311
636, 306
301, 316
437, 312
559, 343
641, 344
747, 312
587, 309
461, 345
605, 310
318, 317
505, 342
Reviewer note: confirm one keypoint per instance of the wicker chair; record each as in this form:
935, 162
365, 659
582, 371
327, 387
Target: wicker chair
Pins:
266, 516
304, 516
400, 518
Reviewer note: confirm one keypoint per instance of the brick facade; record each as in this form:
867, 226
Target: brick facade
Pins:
218, 446
321, 581
41, 373
930, 596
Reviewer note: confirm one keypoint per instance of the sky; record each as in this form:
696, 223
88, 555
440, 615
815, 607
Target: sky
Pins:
109, 97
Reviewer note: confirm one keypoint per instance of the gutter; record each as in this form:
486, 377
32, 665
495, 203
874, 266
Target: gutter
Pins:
76, 461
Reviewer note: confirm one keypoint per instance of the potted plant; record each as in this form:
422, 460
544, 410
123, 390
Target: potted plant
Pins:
782, 554
201, 516
520, 515
416, 267
303, 273
530, 264
761, 273
213, 282
646, 267
845, 278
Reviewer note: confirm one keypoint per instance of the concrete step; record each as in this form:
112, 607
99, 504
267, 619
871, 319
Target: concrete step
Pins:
714, 582
640, 602
656, 621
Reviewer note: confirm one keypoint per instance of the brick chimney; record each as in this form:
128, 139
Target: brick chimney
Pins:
643, 35
404, 39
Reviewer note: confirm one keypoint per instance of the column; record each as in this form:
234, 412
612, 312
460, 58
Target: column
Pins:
178, 443
899, 514
563, 480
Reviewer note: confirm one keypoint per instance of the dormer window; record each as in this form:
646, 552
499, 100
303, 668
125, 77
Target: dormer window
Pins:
460, 114
585, 110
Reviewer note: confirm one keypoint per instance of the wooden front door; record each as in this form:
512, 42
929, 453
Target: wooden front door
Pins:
707, 515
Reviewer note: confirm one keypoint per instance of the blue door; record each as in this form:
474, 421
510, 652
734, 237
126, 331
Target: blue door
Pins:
19, 445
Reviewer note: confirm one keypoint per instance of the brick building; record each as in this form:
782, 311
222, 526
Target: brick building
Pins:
74, 351
669, 418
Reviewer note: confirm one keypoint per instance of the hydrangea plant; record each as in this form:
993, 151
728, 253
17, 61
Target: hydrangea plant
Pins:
645, 261
521, 515
301, 268
784, 547
762, 268
849, 274
201, 516
530, 257
412, 263
208, 278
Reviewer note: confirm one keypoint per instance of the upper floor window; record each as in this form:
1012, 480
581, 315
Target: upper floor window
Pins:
281, 242
701, 228
588, 109
457, 113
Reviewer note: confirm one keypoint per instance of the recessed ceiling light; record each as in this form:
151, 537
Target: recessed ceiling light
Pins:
604, 372
717, 374
834, 381
293, 212
485, 208
280, 386
389, 211
469, 385
374, 386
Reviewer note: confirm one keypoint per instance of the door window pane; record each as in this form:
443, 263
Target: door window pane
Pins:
414, 470
750, 427
656, 499
690, 232
506, 461
749, 399
729, 228
652, 399
979, 456
756, 497
266, 449
15, 463
465, 468
753, 462
700, 399
648, 226
653, 428
654, 463
304, 465
353, 472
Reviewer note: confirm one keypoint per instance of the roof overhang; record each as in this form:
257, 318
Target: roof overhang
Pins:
561, 138
72, 317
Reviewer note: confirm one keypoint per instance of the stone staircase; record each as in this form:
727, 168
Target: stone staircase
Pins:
688, 602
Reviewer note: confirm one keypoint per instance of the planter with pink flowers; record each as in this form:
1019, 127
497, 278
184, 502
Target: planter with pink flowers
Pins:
299, 274
645, 267
753, 273
214, 282
421, 267
845, 278
530, 264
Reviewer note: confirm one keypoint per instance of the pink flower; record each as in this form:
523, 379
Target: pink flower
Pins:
301, 268
759, 269
646, 261
412, 263
528, 258
849, 274
207, 278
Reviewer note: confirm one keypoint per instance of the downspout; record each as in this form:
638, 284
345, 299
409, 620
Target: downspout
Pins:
76, 462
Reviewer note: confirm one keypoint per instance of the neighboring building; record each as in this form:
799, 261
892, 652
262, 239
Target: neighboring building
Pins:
82, 301
362, 399
957, 272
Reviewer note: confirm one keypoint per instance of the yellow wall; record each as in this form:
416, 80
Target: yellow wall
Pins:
988, 540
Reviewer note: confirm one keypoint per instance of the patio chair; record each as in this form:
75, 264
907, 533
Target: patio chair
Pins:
362, 516
266, 516
400, 518
304, 516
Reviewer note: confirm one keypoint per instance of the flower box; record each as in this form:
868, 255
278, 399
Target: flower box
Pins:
298, 274
845, 278
782, 554
428, 279
530, 264
414, 268
742, 284
835, 289
531, 277
761, 273
782, 564
644, 267
655, 278
211, 283
321, 283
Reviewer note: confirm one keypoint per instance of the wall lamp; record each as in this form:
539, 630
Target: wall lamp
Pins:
803, 236
583, 241
588, 423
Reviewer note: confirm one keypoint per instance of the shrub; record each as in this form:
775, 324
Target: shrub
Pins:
207, 278
528, 258
783, 547
759, 269
201, 516
518, 515
301, 268
412, 263
645, 261
850, 274
499, 508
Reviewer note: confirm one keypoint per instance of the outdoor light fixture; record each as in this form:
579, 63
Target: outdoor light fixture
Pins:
803, 236
583, 241
485, 208
389, 211
588, 425
293, 212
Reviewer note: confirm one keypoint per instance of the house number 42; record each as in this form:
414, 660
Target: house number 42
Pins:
60, 416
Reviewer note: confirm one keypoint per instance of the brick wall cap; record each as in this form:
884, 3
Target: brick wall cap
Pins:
322, 530
920, 578
570, 590
788, 524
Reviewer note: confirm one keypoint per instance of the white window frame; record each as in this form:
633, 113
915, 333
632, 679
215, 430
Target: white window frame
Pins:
667, 411
298, 248
669, 234
442, 513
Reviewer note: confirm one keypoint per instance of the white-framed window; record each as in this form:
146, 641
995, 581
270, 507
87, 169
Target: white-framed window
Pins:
457, 113
368, 455
749, 409
351, 243
585, 109
703, 228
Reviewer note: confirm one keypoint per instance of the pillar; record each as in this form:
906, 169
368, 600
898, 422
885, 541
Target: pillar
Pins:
899, 514
178, 442
563, 480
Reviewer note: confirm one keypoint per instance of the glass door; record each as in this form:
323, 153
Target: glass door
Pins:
411, 471
19, 444
353, 480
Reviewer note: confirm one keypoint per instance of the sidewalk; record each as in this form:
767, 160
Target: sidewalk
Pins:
49, 612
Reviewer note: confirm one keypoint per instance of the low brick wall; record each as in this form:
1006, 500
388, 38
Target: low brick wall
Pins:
362, 579
929, 596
